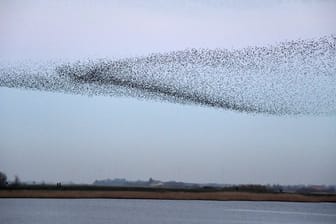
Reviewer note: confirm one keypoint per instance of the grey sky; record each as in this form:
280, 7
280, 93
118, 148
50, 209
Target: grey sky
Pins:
52, 137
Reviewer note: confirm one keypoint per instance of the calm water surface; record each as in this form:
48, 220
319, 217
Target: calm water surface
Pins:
61, 211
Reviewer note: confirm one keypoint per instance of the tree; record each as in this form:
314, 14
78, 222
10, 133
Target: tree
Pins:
3, 179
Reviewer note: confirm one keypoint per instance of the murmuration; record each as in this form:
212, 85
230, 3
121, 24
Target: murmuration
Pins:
289, 78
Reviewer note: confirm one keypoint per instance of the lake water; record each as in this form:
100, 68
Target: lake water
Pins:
35, 211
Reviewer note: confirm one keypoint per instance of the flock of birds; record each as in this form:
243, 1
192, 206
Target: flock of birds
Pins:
294, 77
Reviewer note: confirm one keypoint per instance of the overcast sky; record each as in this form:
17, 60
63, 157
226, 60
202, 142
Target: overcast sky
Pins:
59, 137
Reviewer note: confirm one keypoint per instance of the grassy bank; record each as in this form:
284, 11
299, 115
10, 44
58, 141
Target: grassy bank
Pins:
164, 194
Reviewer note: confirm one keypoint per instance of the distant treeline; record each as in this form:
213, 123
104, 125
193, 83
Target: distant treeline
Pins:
152, 185
234, 188
244, 188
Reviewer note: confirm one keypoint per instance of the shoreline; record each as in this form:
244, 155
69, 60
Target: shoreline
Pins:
166, 195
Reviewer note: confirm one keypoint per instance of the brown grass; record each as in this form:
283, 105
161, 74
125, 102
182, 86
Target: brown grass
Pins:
219, 196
